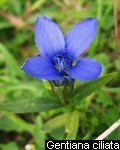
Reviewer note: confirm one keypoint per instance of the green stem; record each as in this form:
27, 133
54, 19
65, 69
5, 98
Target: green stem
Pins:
67, 90
58, 92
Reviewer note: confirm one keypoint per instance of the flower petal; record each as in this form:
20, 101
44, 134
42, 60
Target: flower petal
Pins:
85, 69
48, 36
41, 68
80, 36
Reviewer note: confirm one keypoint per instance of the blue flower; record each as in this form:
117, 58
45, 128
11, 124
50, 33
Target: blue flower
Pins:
60, 59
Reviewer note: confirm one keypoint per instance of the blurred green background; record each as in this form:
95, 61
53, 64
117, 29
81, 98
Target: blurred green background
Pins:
98, 111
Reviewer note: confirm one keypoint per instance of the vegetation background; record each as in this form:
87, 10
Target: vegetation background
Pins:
98, 111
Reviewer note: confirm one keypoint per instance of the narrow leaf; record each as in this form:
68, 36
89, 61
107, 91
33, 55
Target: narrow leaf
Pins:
72, 126
12, 122
39, 134
27, 106
14, 68
55, 122
87, 88
112, 90
37, 4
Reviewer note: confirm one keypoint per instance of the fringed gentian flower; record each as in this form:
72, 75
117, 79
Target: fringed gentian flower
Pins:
60, 59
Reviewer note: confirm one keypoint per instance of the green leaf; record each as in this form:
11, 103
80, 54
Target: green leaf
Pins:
4, 24
55, 122
58, 133
3, 3
37, 4
39, 134
117, 63
87, 88
14, 68
27, 106
72, 126
9, 146
12, 122
112, 90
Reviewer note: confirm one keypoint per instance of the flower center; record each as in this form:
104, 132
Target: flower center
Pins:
62, 63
